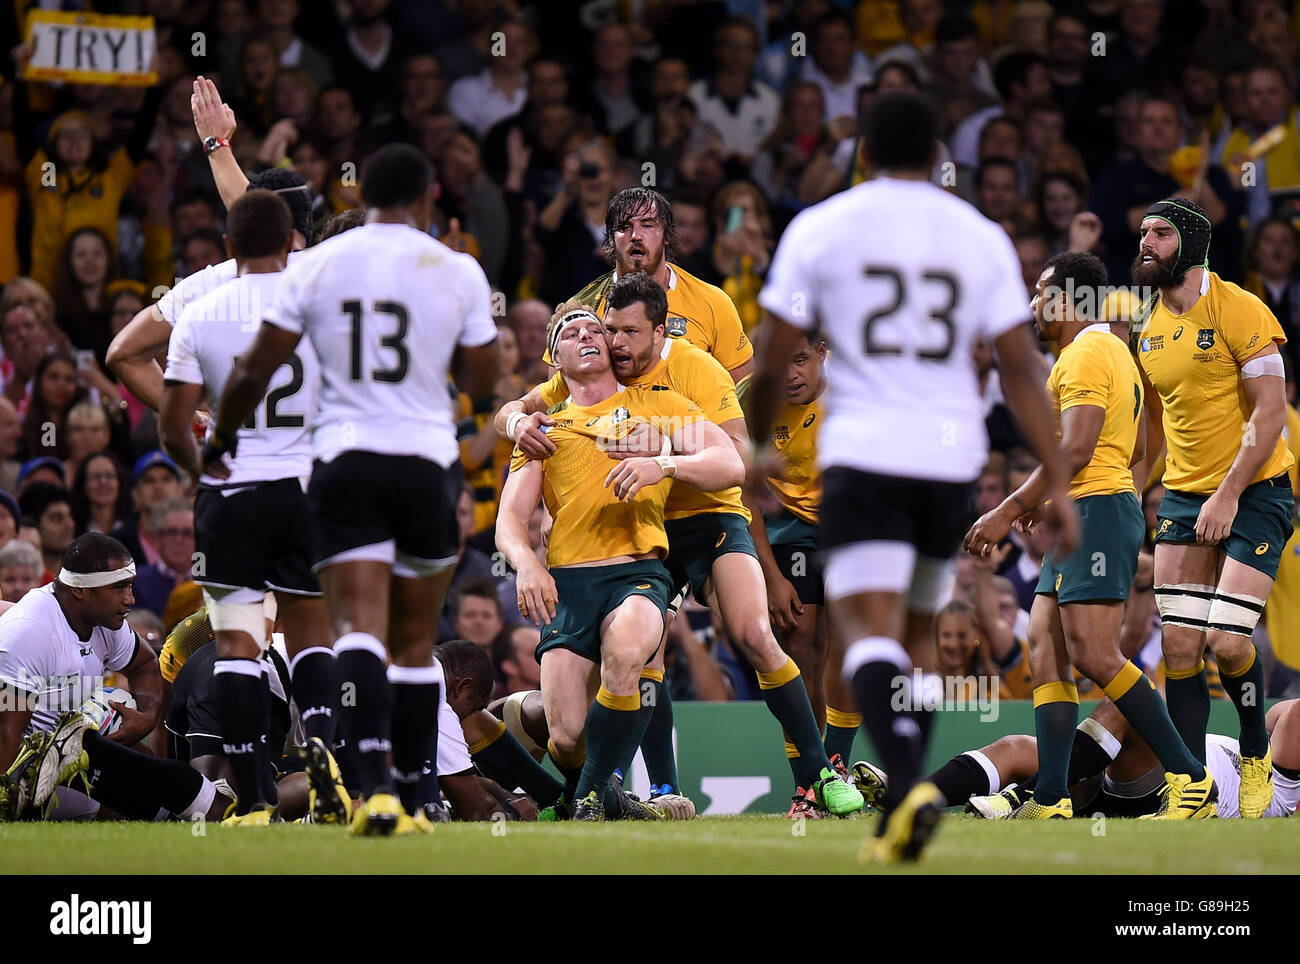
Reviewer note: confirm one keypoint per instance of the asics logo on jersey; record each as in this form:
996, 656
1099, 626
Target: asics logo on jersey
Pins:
809, 420
1179, 333
1261, 548
592, 421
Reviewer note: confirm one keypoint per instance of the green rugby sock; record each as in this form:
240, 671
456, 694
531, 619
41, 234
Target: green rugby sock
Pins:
1246, 690
502, 758
1056, 715
1135, 697
611, 727
787, 698
841, 729
1188, 694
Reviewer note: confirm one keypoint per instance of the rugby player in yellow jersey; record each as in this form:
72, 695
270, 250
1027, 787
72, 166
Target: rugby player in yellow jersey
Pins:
1216, 398
639, 235
708, 531
602, 596
1078, 609
788, 551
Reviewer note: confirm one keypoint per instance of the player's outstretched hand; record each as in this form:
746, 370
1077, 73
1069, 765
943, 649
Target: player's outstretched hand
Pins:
537, 595
632, 475
531, 438
783, 604
1214, 523
212, 118
989, 529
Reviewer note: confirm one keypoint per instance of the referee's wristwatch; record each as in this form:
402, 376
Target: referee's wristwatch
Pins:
212, 144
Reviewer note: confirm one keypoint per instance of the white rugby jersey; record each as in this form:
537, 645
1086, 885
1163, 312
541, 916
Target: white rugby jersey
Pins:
385, 306
275, 442
901, 277
41, 655
1223, 758
193, 287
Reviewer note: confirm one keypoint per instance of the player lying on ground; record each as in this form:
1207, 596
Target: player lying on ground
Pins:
1078, 611
55, 646
1112, 772
711, 549
1216, 399
602, 596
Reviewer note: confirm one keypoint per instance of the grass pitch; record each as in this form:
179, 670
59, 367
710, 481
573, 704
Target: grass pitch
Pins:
713, 845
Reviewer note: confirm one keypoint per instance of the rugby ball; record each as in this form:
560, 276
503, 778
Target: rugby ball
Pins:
102, 708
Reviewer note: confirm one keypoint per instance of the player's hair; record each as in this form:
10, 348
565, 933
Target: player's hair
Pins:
632, 202
397, 175
631, 288
562, 309
1082, 276
39, 496
293, 188
259, 224
955, 27
478, 589
343, 221
19, 552
1012, 70
900, 130
95, 552
461, 659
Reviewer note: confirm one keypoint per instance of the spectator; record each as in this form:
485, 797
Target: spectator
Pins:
1068, 47
572, 227
21, 569
24, 342
194, 211
293, 96
512, 653
548, 95
252, 102
1032, 251
1021, 79
155, 480
1044, 128
960, 81
338, 122
423, 89
85, 268
670, 85
101, 498
471, 196
149, 628
788, 151
743, 244
55, 390
1124, 191
11, 434
89, 431
743, 110
46, 507
1276, 182
1272, 258
1198, 95
11, 520
1136, 56
478, 614
837, 67
201, 249
528, 320
997, 190
500, 89
273, 24
32, 294
613, 100
1061, 195
369, 56
173, 523
45, 469
694, 251
471, 565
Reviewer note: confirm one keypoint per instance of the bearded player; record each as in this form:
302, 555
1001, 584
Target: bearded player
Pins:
1216, 397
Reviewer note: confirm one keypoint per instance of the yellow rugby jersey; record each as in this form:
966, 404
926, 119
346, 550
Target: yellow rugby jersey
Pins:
698, 312
591, 523
1194, 362
1097, 369
1282, 612
795, 436
700, 378
186, 638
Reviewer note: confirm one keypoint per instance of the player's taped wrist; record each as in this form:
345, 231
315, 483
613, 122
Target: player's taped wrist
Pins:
216, 446
667, 465
512, 425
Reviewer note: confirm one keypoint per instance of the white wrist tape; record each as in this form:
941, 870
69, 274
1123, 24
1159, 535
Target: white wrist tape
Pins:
1268, 365
667, 447
512, 424
93, 580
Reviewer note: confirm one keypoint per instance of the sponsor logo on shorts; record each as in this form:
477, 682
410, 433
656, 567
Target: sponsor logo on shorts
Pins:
1057, 587
1261, 548
644, 585
721, 539
1205, 338
1164, 527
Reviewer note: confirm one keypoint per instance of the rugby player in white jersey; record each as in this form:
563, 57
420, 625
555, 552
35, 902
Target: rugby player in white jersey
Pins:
901, 277
55, 646
251, 518
389, 311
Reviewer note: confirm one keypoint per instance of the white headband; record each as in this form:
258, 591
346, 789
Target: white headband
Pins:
93, 580
576, 315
